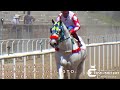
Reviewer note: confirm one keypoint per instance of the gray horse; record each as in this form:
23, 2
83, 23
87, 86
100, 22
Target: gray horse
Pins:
69, 57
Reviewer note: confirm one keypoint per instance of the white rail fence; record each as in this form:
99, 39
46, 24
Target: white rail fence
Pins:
23, 45
41, 64
27, 45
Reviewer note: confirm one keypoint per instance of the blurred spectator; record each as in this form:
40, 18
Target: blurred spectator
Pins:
28, 21
15, 20
24, 12
2, 21
15, 27
1, 28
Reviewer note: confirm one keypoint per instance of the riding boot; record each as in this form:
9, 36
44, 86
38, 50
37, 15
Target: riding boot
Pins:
76, 37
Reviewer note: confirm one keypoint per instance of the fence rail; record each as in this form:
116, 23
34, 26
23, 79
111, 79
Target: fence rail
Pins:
23, 45
27, 45
105, 56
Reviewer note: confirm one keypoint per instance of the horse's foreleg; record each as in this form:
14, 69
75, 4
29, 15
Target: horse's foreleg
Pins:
79, 70
61, 72
65, 75
80, 66
73, 74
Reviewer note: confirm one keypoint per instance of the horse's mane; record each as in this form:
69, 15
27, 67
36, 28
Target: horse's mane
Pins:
67, 32
65, 29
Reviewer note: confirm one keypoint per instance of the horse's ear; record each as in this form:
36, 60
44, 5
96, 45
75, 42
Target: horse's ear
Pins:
60, 22
53, 21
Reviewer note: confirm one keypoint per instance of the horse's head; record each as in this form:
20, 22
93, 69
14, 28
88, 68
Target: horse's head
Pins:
57, 33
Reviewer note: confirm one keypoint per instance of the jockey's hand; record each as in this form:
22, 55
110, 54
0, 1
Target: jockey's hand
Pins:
72, 31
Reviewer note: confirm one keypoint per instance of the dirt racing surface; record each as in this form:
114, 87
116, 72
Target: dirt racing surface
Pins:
42, 70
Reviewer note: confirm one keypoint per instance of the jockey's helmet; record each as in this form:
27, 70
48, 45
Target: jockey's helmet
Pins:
65, 13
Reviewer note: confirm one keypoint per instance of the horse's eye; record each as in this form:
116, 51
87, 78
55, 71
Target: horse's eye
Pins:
59, 30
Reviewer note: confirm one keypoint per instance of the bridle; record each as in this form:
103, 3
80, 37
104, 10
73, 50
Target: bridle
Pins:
58, 36
57, 33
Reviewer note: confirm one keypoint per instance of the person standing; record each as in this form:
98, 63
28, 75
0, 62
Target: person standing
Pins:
28, 21
72, 22
15, 22
1, 28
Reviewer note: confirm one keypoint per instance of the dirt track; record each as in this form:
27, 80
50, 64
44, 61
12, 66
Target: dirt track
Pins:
110, 63
30, 68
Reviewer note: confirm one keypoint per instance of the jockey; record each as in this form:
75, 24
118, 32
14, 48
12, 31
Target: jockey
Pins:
72, 23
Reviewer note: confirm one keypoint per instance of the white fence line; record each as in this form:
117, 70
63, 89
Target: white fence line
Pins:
105, 56
23, 45
16, 55
27, 45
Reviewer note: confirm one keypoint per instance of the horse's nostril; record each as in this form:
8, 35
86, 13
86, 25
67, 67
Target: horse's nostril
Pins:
55, 43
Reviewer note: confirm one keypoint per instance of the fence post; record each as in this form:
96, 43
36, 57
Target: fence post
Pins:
8, 49
1, 31
103, 40
88, 40
116, 33
41, 44
116, 38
